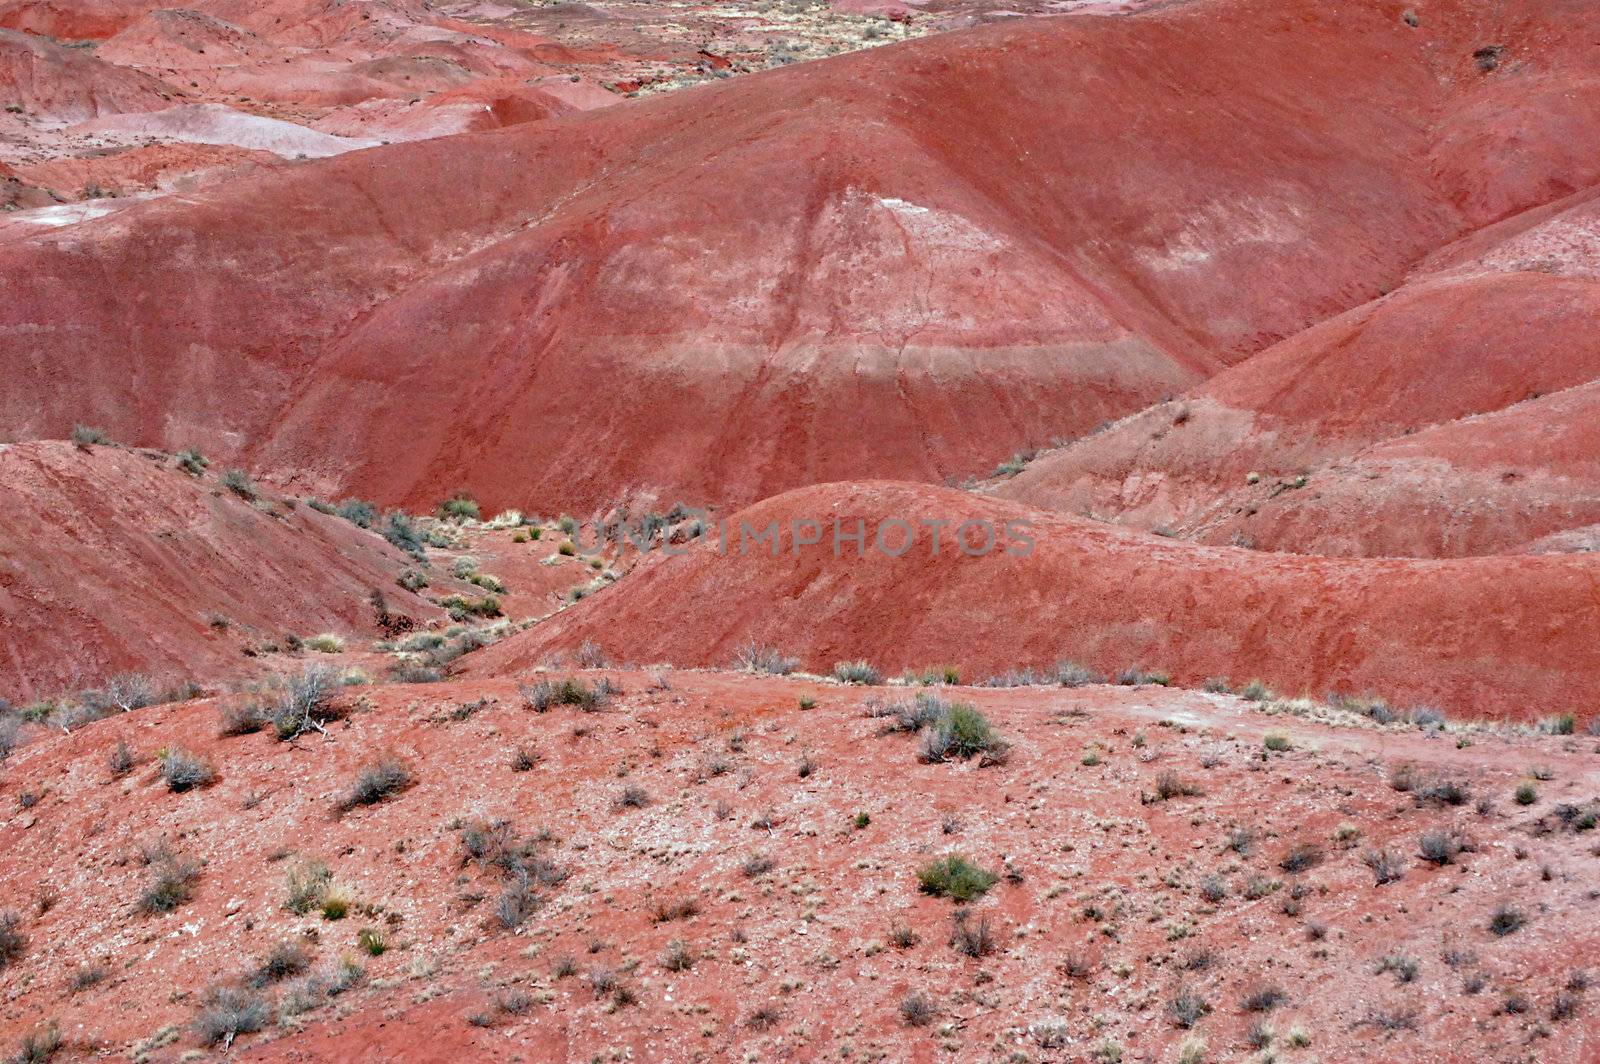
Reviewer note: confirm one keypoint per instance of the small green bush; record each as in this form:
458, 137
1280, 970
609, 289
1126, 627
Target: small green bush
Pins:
358, 512
959, 731
401, 531
238, 482
192, 462
955, 877
459, 507
382, 779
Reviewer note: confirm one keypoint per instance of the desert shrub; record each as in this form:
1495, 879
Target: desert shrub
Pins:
1072, 674
1217, 685
1135, 676
1301, 857
1441, 847
415, 672
335, 904
1402, 967
383, 778
1169, 785
518, 901
411, 580
1387, 866
307, 884
13, 943
916, 1009
302, 703
372, 941
1213, 889
123, 693
757, 864
192, 462
1255, 691
959, 731
1526, 794
1277, 743
902, 937
184, 771
1428, 717
857, 672
633, 796
1187, 1008
228, 1012
90, 975
326, 643
566, 548
1564, 724
1392, 1018
459, 507
238, 482
402, 533
1444, 792
1263, 999
242, 718
358, 512
920, 712
1505, 919
10, 732
969, 938
460, 607
955, 877
172, 878
120, 759
752, 657
85, 436
565, 692
667, 911
38, 1046
281, 961
677, 957
1019, 678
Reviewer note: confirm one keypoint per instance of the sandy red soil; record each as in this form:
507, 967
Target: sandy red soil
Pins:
1095, 875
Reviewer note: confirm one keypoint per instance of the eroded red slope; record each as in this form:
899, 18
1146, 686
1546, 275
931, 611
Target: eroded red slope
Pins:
64, 84
1482, 637
1508, 315
113, 560
1480, 485
906, 262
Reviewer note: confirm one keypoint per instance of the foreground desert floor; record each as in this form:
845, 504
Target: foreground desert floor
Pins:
711, 865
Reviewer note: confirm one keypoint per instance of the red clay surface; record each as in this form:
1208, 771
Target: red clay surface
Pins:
112, 561
1504, 637
1451, 417
797, 960
977, 283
